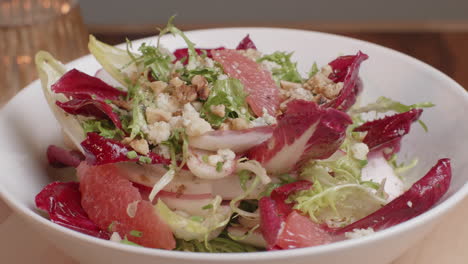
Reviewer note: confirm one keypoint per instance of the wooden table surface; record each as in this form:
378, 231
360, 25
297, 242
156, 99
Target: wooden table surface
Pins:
446, 51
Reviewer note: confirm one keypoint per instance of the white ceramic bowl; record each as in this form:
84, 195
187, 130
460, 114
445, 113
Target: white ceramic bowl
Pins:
27, 127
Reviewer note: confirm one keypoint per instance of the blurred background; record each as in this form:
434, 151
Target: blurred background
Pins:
433, 31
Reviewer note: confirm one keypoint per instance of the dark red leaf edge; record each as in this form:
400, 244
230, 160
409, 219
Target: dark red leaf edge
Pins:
386, 133
76, 84
62, 200
100, 150
422, 195
300, 115
346, 70
60, 158
246, 43
183, 53
90, 107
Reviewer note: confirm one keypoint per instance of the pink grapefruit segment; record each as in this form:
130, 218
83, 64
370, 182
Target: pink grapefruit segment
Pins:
258, 83
299, 231
111, 201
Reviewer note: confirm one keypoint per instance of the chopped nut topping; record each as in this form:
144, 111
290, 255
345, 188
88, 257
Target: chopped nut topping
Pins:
199, 81
176, 82
127, 105
203, 92
201, 85
225, 126
185, 93
290, 85
158, 86
321, 84
239, 124
155, 115
219, 110
140, 146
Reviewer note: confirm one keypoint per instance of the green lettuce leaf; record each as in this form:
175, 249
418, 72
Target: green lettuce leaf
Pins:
230, 93
287, 70
196, 228
158, 61
104, 128
117, 62
339, 196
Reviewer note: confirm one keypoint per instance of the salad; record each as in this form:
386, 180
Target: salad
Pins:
227, 149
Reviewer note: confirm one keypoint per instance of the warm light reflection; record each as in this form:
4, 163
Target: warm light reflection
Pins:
23, 59
65, 8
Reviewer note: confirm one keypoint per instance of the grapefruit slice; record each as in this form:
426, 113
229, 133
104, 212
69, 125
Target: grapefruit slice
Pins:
299, 231
258, 83
112, 202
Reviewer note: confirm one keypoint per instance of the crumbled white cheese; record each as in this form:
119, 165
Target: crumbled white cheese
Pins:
357, 233
222, 77
270, 66
226, 154
410, 204
162, 150
209, 63
264, 120
214, 159
193, 123
176, 122
166, 102
159, 132
359, 150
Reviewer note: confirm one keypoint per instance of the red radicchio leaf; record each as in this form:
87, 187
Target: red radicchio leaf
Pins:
62, 200
280, 194
183, 53
100, 150
386, 133
305, 131
418, 199
346, 70
274, 210
59, 157
246, 43
90, 107
77, 84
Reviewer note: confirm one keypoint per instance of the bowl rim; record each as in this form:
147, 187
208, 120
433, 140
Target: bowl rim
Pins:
435, 212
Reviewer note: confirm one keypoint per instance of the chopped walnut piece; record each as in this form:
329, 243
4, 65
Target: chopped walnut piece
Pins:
321, 84
127, 105
289, 85
185, 93
155, 115
158, 86
140, 146
201, 85
203, 92
219, 110
225, 126
176, 82
239, 124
